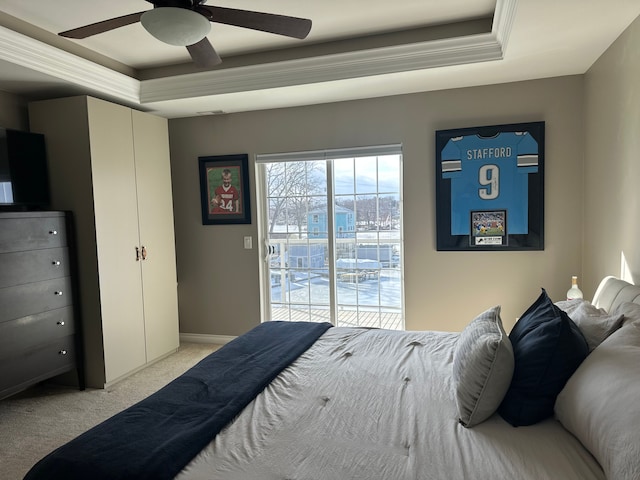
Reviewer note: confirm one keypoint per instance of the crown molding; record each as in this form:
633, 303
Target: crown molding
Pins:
67, 67
35, 55
377, 61
503, 19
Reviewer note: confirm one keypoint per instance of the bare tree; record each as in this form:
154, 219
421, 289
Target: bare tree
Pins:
389, 208
373, 211
289, 188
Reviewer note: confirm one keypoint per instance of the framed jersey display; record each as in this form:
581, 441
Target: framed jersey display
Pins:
224, 189
490, 187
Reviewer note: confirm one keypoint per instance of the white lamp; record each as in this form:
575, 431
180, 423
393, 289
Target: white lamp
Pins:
176, 26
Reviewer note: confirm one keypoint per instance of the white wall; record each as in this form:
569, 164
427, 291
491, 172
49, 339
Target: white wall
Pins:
218, 279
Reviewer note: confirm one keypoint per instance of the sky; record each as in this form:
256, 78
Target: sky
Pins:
364, 170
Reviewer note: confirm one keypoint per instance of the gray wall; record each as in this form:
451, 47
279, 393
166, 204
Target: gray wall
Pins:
218, 279
612, 162
13, 112
592, 171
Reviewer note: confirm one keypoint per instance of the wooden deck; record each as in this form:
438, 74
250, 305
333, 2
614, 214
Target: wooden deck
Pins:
346, 318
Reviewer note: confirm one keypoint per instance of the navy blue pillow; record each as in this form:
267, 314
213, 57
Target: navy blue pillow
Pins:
548, 347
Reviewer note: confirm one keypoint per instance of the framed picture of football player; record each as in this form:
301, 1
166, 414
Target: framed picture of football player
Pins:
490, 188
224, 189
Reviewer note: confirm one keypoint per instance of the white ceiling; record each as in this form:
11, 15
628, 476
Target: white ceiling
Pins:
410, 46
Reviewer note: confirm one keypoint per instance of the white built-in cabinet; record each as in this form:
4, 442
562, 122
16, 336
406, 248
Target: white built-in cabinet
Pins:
109, 164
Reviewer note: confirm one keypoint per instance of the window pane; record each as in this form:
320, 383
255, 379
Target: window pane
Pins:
389, 173
366, 208
366, 175
344, 176
316, 178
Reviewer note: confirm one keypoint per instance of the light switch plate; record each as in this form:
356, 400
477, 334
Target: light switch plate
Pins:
248, 243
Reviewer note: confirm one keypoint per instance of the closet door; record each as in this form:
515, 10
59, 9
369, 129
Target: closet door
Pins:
155, 209
116, 223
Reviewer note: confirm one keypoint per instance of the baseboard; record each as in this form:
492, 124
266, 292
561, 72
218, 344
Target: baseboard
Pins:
202, 338
136, 370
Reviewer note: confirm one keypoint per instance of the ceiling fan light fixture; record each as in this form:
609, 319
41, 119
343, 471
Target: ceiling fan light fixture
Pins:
176, 26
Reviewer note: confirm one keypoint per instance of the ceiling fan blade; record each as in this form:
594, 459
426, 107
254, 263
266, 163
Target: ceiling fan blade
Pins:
103, 26
203, 54
176, 3
267, 22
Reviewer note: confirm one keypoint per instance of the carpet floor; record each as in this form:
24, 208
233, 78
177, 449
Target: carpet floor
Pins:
40, 419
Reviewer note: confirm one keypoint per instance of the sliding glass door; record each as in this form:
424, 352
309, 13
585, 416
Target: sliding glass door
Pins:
331, 224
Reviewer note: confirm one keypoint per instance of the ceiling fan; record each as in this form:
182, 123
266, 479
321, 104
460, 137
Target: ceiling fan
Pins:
187, 22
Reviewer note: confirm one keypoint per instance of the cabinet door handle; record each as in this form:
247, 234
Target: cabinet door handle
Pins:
53, 232
58, 293
55, 263
60, 322
62, 352
144, 252
137, 254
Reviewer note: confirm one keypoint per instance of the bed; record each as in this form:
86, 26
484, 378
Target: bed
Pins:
556, 398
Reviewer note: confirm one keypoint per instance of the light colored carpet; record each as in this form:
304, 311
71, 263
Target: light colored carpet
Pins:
38, 420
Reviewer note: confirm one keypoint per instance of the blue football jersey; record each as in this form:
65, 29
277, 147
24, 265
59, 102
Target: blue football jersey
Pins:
490, 173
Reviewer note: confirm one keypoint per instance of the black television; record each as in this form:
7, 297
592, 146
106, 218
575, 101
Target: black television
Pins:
24, 176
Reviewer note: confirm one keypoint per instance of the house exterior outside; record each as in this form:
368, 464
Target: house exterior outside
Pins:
317, 223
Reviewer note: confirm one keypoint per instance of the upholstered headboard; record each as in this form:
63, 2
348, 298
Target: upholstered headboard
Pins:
612, 292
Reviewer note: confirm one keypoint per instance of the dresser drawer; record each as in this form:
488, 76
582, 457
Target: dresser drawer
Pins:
32, 233
22, 300
35, 365
29, 332
17, 268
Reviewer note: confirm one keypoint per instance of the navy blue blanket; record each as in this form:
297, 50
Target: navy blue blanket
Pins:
157, 437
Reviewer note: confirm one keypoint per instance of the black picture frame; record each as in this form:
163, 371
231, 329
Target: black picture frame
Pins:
222, 202
494, 172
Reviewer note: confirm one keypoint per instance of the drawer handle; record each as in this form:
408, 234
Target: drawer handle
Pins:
60, 322
55, 263
53, 232
58, 293
62, 352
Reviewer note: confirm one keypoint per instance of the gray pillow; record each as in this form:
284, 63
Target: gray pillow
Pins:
482, 367
594, 323
599, 404
629, 311
570, 306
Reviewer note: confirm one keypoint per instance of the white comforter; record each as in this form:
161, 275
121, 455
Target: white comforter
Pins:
377, 404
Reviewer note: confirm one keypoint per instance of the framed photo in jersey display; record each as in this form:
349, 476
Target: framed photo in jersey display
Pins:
490, 188
224, 189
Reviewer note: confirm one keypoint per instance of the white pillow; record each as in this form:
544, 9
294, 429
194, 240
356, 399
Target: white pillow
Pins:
482, 367
594, 323
599, 404
630, 311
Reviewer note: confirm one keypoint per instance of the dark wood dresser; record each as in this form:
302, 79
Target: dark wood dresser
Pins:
39, 331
